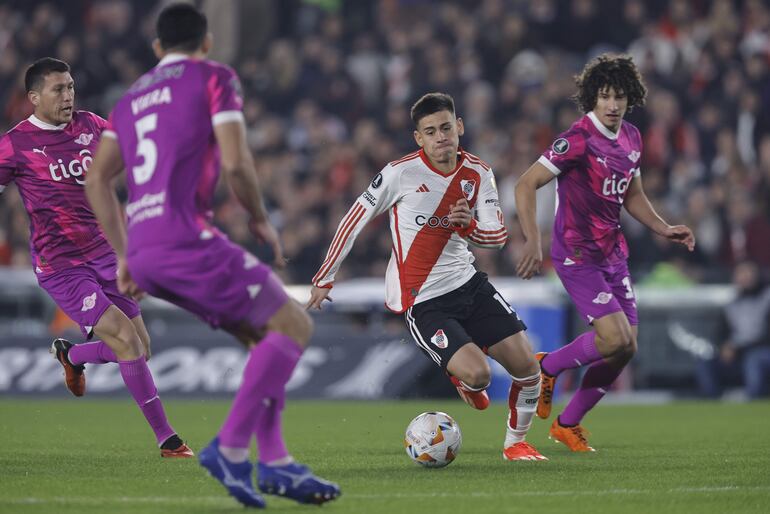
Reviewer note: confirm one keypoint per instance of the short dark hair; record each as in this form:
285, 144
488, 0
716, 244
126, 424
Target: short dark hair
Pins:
430, 103
37, 71
181, 27
607, 70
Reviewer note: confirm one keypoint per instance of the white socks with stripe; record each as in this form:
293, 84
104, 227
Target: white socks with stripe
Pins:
522, 401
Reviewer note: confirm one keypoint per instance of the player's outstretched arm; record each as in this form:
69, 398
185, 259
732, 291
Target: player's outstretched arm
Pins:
382, 194
7, 161
348, 229
317, 297
107, 165
526, 207
639, 206
238, 167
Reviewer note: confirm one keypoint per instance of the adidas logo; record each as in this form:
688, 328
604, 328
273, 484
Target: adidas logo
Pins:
423, 189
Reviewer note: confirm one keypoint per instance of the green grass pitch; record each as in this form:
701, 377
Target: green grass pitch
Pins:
95, 456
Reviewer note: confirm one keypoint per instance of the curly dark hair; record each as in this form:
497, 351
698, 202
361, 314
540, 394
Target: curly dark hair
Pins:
607, 70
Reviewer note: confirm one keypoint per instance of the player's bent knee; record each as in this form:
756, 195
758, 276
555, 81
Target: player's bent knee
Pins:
470, 365
616, 342
291, 320
145, 344
124, 342
301, 327
629, 350
131, 345
533, 367
480, 380
120, 335
477, 377
625, 344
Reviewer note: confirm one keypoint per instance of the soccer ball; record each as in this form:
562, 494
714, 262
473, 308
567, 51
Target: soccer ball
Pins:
433, 439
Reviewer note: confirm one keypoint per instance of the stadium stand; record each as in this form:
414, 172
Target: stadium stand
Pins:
329, 84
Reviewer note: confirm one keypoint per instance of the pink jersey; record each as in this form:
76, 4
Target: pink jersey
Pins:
49, 164
164, 125
429, 257
594, 168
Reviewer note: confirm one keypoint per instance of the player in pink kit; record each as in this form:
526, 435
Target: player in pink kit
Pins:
169, 131
440, 199
47, 156
597, 165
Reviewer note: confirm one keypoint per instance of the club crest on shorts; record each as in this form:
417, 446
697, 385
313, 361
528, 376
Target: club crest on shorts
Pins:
89, 302
603, 298
468, 187
440, 339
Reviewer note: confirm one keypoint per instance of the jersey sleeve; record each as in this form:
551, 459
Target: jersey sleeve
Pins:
109, 127
99, 123
489, 230
565, 153
7, 162
381, 195
637, 171
224, 95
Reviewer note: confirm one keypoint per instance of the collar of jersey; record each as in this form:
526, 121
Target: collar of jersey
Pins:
43, 125
601, 128
172, 58
460, 159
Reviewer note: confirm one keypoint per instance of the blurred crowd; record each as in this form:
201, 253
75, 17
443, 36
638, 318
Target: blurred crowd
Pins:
328, 85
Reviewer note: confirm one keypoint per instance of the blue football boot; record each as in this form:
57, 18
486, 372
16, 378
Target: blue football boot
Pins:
235, 477
297, 482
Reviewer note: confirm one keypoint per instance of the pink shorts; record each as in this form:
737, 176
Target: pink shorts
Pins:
599, 290
215, 279
84, 292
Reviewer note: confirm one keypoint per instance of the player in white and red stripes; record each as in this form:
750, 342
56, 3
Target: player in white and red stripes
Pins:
441, 198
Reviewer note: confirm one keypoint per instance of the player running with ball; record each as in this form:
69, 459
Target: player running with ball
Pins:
440, 199
597, 165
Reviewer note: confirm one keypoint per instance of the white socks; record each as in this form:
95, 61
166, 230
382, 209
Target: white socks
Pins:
522, 401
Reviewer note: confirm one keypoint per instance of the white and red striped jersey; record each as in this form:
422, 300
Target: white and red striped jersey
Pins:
429, 257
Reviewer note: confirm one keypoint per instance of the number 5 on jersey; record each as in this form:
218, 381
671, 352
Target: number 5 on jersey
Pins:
145, 148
